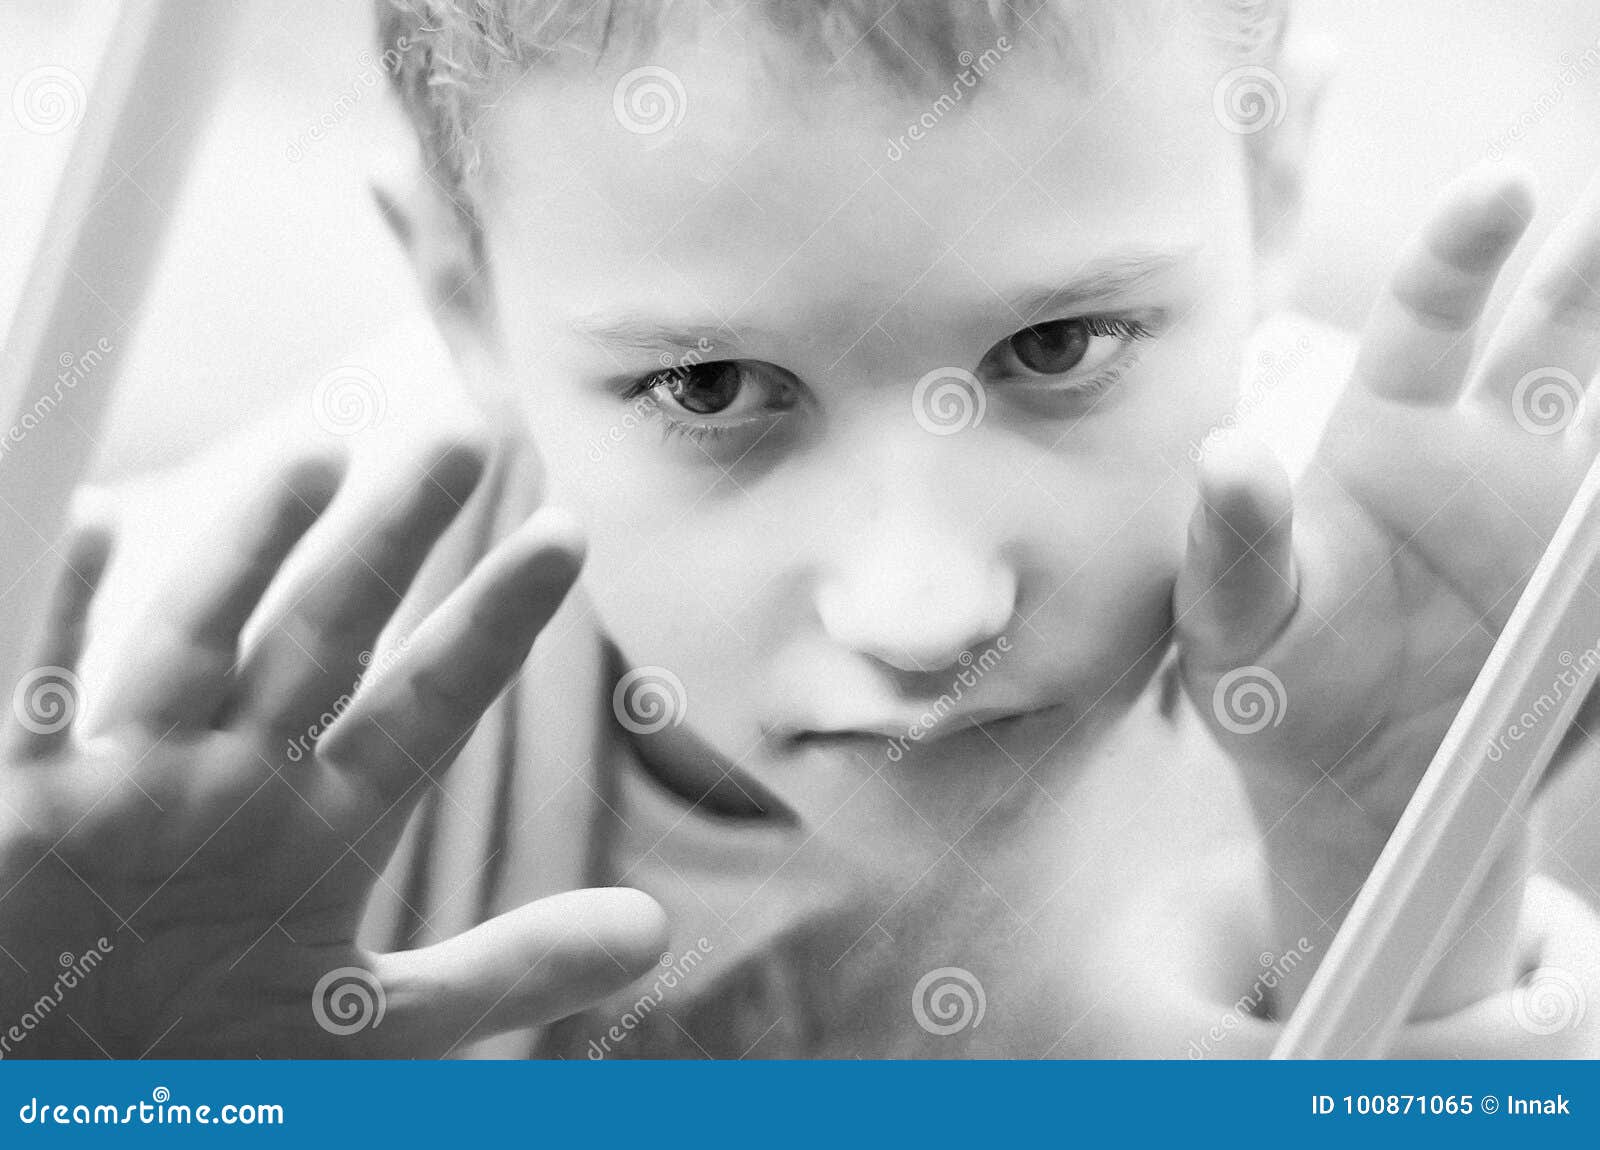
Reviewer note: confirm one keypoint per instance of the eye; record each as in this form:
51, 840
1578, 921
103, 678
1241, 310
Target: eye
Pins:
1079, 347
1052, 348
704, 389
706, 398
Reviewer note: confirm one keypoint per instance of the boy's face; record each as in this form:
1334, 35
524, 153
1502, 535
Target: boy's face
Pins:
817, 547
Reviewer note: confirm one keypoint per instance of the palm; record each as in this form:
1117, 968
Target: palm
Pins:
167, 862
225, 872
1442, 549
1438, 484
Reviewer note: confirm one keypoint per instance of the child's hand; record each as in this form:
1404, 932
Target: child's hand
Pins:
220, 876
1201, 981
1336, 655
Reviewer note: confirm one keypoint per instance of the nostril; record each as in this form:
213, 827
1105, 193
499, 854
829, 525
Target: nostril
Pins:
917, 627
927, 658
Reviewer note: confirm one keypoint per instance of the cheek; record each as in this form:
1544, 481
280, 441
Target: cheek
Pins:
672, 590
690, 570
1099, 591
1109, 541
675, 554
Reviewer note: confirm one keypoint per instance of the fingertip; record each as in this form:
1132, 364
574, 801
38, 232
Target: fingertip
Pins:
1243, 483
1236, 588
456, 466
1507, 187
314, 479
89, 550
556, 532
1485, 212
546, 960
631, 926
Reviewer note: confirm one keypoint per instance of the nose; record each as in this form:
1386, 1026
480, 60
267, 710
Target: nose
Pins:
915, 594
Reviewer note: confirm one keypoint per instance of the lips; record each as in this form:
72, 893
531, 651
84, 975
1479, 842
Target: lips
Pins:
708, 782
927, 725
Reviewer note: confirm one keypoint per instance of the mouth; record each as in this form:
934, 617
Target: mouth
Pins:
712, 785
875, 738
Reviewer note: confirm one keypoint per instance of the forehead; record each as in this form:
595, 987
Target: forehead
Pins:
831, 185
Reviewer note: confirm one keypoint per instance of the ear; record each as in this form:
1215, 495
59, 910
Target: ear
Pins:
1278, 159
444, 245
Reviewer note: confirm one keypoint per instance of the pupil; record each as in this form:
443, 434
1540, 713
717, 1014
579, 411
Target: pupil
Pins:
1052, 348
705, 389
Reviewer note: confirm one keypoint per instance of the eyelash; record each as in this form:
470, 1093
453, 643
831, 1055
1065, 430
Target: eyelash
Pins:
694, 432
645, 384
1125, 328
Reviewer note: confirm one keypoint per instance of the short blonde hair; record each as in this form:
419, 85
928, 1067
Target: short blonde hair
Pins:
452, 56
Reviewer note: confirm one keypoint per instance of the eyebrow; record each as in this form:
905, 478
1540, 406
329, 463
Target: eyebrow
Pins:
1102, 280
1099, 280
631, 332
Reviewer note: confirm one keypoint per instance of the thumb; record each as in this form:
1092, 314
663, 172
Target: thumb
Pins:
530, 966
1236, 591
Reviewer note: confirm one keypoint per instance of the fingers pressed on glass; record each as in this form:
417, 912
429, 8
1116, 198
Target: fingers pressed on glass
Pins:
530, 966
322, 641
1419, 339
415, 717
1237, 588
46, 697
189, 641
1548, 346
